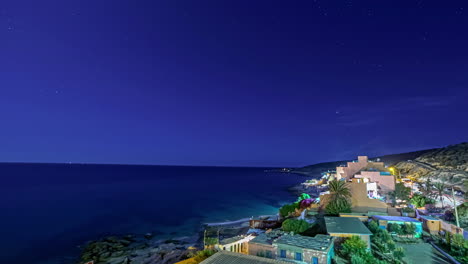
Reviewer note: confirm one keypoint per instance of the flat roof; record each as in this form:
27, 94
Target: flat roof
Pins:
226, 257
346, 225
230, 240
395, 218
428, 217
319, 242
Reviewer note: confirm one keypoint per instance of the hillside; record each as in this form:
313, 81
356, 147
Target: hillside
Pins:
392, 159
448, 164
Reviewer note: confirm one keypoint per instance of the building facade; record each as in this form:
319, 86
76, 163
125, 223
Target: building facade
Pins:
303, 249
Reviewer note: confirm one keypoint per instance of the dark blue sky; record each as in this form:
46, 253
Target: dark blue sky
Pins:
257, 83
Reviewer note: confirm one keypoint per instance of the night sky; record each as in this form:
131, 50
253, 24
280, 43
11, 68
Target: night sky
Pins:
254, 83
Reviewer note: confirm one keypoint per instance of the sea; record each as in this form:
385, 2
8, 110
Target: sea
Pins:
48, 210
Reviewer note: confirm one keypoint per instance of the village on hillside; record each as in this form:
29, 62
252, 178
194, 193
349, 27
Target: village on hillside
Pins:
366, 212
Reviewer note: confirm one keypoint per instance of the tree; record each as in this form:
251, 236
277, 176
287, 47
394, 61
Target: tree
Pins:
426, 188
287, 209
410, 229
440, 188
373, 226
395, 228
339, 189
295, 225
401, 193
339, 198
335, 207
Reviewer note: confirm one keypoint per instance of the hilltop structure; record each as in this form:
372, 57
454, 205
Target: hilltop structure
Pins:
353, 167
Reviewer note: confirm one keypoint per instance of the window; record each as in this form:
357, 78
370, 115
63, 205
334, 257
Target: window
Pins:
314, 260
298, 256
283, 253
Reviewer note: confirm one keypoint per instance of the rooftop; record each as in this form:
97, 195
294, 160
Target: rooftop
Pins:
428, 217
319, 242
231, 240
226, 257
395, 218
346, 225
267, 238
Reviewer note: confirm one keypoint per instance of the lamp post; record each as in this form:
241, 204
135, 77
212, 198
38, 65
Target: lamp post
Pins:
455, 207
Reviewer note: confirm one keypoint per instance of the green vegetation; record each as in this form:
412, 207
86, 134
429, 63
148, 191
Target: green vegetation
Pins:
419, 200
383, 245
462, 210
288, 209
354, 249
401, 193
440, 188
408, 229
211, 241
303, 196
455, 245
199, 256
295, 225
339, 198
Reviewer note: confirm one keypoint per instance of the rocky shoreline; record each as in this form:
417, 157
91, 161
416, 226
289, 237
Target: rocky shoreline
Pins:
136, 249
150, 249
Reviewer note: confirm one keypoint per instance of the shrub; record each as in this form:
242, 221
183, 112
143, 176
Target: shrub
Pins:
202, 255
373, 226
295, 225
395, 228
410, 229
399, 253
418, 200
303, 196
354, 246
211, 241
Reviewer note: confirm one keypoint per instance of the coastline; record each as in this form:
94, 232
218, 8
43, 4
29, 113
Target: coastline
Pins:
148, 248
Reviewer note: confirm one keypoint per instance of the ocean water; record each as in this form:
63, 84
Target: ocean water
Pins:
47, 210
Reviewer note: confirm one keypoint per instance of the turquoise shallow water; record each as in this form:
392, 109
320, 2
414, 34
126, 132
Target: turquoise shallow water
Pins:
50, 209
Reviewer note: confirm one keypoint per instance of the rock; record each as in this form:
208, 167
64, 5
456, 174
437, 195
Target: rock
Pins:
105, 255
117, 253
149, 235
111, 239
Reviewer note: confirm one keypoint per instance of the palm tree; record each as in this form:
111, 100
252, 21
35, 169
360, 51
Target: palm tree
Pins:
426, 187
339, 189
339, 197
440, 187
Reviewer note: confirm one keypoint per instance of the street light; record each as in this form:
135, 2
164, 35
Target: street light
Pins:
392, 169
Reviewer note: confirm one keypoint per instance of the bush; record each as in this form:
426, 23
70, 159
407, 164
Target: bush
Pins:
303, 196
395, 228
354, 246
399, 253
373, 226
295, 225
211, 241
